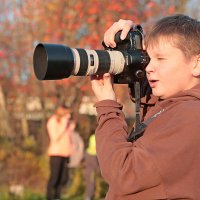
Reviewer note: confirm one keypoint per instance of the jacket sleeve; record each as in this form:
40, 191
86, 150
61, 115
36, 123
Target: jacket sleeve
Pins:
126, 166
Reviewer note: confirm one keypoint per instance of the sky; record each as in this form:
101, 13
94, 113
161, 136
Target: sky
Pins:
193, 8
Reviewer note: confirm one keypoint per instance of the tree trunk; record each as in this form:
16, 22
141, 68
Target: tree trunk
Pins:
6, 129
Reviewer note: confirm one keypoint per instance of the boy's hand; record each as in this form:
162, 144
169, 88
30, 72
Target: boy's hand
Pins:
102, 87
124, 25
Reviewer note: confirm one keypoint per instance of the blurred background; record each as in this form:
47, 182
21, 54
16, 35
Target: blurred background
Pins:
26, 103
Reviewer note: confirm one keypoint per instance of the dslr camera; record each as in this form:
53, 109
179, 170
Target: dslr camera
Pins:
126, 62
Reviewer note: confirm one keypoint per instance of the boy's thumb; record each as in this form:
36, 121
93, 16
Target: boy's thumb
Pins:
107, 78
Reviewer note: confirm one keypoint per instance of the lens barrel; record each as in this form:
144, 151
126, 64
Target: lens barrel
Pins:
55, 61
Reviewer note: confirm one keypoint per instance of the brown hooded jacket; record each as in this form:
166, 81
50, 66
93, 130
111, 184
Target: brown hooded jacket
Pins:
162, 164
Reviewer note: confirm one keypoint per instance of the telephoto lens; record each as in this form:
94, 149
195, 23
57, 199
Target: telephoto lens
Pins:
56, 61
127, 61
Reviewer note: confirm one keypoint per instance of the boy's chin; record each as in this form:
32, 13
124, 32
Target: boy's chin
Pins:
158, 94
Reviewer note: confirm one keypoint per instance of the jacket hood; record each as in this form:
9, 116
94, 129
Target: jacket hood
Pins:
193, 93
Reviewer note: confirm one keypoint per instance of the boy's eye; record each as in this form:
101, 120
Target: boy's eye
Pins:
160, 58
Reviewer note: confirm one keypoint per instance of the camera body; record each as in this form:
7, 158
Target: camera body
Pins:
126, 62
136, 59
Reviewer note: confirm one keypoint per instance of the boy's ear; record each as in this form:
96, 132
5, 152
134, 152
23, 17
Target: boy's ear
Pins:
196, 68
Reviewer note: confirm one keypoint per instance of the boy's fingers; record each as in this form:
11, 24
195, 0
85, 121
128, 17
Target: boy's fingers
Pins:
109, 36
124, 33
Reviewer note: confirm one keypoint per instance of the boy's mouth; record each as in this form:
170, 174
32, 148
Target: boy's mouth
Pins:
153, 83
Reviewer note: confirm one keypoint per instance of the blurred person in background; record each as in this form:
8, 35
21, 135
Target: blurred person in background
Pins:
60, 130
91, 168
78, 147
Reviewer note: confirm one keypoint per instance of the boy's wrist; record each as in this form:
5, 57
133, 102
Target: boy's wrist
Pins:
107, 106
107, 103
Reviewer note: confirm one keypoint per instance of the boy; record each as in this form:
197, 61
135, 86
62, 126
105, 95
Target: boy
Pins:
163, 163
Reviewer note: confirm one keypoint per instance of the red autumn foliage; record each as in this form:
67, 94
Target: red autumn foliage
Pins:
75, 23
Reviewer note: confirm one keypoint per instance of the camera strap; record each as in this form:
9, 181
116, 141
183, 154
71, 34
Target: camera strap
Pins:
137, 104
136, 133
139, 128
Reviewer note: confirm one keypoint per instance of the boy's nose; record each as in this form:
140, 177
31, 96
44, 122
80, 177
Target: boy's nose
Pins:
150, 67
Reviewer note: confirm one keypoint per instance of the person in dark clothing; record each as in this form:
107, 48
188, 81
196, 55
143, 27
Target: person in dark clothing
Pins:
164, 162
58, 178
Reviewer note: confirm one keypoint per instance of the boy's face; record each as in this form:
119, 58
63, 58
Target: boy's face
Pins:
169, 71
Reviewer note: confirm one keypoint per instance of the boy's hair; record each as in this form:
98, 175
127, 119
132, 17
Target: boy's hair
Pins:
183, 31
